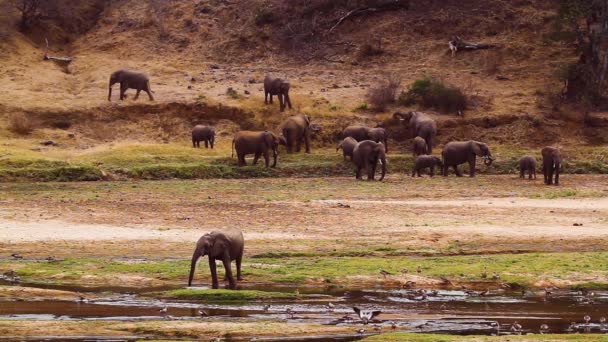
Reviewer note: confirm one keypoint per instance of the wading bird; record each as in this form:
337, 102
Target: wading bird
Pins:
366, 316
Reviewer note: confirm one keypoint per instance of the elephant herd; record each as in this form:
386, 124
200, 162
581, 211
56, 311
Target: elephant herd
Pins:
367, 147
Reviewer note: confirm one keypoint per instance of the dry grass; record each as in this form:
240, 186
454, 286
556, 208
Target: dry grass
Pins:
19, 123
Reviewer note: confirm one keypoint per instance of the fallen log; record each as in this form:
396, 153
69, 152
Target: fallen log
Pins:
456, 43
63, 62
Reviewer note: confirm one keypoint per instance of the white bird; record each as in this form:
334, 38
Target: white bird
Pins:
330, 306
202, 313
516, 327
393, 325
163, 310
602, 320
290, 312
361, 331
266, 307
366, 316
544, 328
587, 318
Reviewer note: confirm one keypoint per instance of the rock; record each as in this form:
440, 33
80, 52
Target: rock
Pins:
323, 90
189, 86
502, 78
214, 66
193, 79
71, 135
335, 86
36, 149
252, 80
48, 143
246, 92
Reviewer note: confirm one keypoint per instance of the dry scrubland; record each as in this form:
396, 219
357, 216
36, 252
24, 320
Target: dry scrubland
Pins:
307, 222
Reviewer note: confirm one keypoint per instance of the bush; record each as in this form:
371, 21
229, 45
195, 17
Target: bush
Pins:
370, 49
429, 92
18, 123
384, 93
264, 16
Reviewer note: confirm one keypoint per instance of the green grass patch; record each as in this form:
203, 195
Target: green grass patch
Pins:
524, 269
218, 295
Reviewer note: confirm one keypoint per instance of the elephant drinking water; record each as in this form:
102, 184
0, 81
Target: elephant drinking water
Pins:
224, 245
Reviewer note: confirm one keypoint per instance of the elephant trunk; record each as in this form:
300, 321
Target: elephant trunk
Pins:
383, 161
195, 257
487, 160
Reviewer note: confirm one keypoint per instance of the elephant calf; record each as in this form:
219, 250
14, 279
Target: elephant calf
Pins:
366, 155
460, 152
527, 164
203, 133
347, 145
224, 245
279, 87
552, 161
130, 80
420, 147
360, 133
258, 144
424, 161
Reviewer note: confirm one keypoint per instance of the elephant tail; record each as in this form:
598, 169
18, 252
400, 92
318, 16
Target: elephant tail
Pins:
232, 149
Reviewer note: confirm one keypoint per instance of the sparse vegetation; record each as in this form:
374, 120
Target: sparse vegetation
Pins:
18, 123
383, 94
226, 295
264, 16
433, 93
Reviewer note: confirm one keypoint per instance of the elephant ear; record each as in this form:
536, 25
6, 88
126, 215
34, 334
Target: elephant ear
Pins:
219, 244
476, 147
269, 139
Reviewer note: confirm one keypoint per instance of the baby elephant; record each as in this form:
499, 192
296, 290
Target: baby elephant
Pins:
347, 145
203, 133
419, 147
527, 164
426, 161
130, 80
226, 245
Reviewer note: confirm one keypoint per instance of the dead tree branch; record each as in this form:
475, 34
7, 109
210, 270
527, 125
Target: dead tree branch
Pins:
63, 62
457, 44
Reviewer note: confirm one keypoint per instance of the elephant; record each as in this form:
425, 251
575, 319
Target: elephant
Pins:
425, 161
257, 143
360, 133
295, 129
552, 161
226, 245
203, 133
460, 152
419, 147
279, 87
527, 163
420, 125
130, 80
347, 145
366, 155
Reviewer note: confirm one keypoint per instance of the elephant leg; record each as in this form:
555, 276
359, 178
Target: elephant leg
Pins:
242, 161
458, 174
193, 143
521, 173
444, 170
358, 173
137, 94
213, 270
256, 157
281, 102
150, 94
432, 173
206, 143
267, 159
211, 142
226, 262
123, 90
287, 100
306, 138
556, 176
472, 168
239, 260
265, 97
299, 145
373, 171
270, 98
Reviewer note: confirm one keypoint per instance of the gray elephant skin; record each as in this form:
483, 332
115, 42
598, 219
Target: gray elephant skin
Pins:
420, 125
278, 87
226, 245
366, 156
296, 129
425, 161
203, 133
527, 164
258, 143
460, 152
360, 133
348, 146
419, 147
130, 80
552, 162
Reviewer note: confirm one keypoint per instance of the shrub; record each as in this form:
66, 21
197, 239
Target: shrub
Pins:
18, 123
384, 93
370, 49
264, 16
362, 106
429, 92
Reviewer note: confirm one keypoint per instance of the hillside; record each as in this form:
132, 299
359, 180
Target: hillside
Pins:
195, 50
